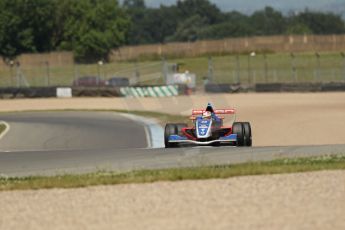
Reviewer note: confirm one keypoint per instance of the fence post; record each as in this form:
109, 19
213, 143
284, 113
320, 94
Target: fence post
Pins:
101, 65
252, 54
164, 70
11, 70
18, 77
47, 73
293, 67
99, 68
238, 69
76, 74
136, 72
21, 80
266, 68
318, 65
248, 69
343, 55
210, 69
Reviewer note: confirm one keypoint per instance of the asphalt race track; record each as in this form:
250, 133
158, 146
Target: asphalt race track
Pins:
70, 130
49, 143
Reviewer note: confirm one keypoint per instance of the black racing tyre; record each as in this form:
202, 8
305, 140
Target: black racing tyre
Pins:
179, 127
247, 134
170, 129
237, 128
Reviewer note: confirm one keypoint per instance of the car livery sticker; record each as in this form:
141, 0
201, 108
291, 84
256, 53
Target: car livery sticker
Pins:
203, 128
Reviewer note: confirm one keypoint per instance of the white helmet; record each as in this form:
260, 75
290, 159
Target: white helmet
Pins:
207, 114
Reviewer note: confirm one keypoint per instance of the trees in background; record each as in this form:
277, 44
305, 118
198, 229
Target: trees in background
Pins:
92, 28
320, 23
192, 20
25, 26
268, 22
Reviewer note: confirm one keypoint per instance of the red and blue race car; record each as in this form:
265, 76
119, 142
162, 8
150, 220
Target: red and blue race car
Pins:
208, 129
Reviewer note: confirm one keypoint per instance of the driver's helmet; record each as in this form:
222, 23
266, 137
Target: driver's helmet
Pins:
207, 115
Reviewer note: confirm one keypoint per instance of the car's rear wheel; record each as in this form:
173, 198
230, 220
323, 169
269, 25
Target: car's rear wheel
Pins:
237, 128
170, 129
247, 134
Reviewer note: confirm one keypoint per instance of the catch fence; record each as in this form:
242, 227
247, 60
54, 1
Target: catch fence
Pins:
246, 69
53, 75
276, 68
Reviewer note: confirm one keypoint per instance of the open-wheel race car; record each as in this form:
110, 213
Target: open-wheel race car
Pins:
208, 129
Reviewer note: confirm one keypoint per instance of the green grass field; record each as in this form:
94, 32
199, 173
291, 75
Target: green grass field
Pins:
177, 174
275, 67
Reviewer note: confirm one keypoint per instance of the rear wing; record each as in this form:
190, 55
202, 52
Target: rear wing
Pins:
196, 112
193, 118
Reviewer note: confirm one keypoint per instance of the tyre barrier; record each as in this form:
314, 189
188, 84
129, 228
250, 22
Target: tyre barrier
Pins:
304, 87
333, 87
46, 92
288, 87
95, 92
32, 92
152, 91
300, 87
226, 88
273, 87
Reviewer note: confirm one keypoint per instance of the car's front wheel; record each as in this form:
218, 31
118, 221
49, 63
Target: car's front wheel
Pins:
237, 128
247, 134
243, 131
170, 129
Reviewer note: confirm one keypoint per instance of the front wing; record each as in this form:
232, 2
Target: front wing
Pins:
182, 139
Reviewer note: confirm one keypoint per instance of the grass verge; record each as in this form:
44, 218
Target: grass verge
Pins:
163, 118
2, 127
332, 162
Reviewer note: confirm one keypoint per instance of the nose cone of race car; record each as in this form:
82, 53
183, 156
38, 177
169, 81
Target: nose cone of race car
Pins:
203, 128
